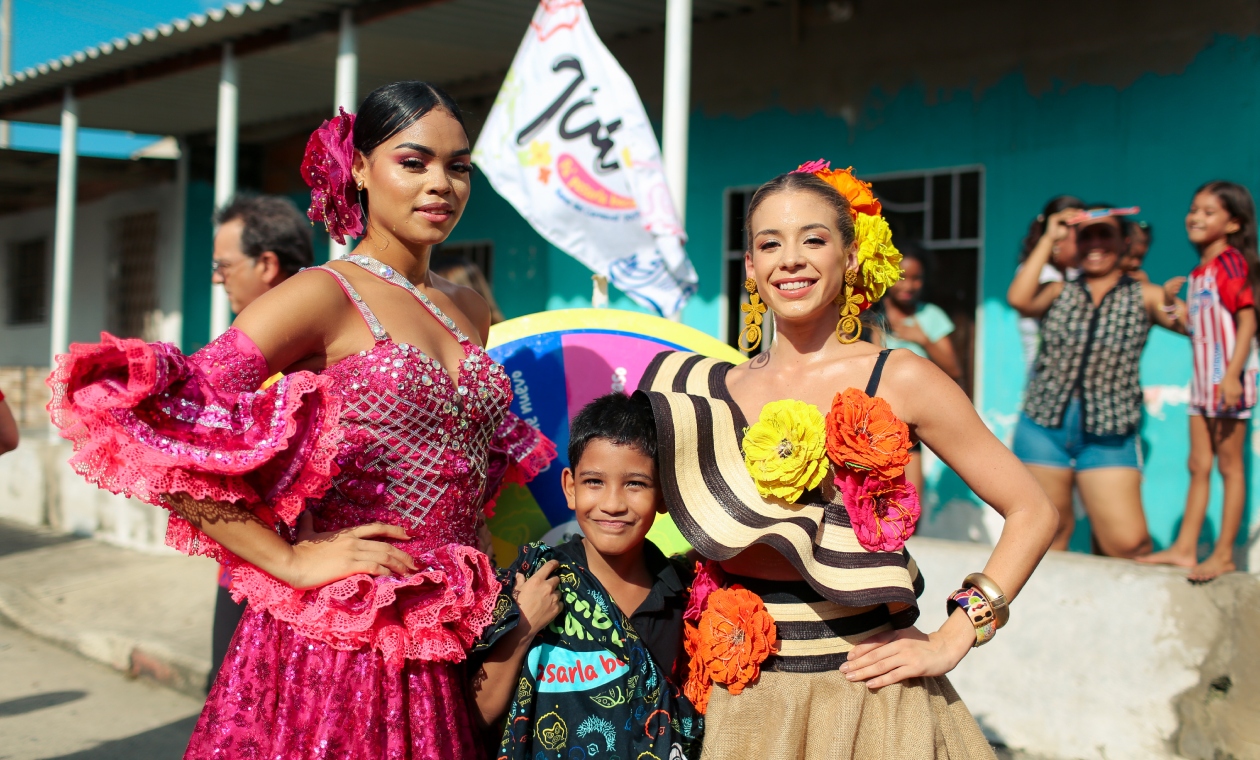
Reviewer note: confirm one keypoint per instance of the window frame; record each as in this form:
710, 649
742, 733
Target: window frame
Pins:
978, 243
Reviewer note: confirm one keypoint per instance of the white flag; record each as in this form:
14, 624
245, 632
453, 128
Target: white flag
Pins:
569, 145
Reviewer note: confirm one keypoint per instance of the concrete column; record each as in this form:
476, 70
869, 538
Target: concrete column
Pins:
6, 57
173, 268
346, 90
63, 233
224, 173
677, 111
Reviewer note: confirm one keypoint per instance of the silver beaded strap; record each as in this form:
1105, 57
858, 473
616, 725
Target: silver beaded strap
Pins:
387, 273
373, 323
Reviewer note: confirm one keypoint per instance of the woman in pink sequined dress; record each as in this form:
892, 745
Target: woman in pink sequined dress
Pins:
389, 434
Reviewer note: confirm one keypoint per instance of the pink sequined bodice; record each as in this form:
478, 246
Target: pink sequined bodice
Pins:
415, 443
387, 435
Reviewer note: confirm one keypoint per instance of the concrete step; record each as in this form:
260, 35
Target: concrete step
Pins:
144, 614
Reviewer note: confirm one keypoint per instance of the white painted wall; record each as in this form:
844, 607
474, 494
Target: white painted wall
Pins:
38, 487
27, 345
1096, 653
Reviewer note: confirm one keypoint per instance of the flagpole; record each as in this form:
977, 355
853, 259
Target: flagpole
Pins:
677, 107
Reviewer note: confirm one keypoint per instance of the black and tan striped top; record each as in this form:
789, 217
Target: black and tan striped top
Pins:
717, 507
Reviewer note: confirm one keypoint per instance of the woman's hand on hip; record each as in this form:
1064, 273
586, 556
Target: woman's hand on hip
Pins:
321, 558
894, 656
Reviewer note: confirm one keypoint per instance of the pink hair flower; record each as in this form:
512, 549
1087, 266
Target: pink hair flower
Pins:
327, 168
883, 512
709, 578
813, 167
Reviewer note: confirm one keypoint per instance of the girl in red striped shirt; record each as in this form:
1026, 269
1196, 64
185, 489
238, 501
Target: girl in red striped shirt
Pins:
1221, 324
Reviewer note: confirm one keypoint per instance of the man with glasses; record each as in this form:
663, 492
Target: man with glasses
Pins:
259, 242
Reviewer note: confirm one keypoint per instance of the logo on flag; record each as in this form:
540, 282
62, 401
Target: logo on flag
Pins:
569, 145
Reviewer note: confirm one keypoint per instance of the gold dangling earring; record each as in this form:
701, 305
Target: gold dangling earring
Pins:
849, 328
750, 338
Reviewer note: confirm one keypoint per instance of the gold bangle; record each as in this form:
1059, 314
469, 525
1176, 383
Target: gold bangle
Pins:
997, 600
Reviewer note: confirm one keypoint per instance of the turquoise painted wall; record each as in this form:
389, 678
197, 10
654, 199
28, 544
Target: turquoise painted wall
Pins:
199, 252
1149, 144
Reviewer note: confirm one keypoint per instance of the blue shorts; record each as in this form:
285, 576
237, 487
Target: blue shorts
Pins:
1237, 413
1070, 447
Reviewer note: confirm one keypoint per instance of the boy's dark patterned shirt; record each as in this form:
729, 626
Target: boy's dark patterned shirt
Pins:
589, 687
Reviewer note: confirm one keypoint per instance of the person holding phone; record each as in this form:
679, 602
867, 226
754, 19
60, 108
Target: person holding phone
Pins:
1083, 406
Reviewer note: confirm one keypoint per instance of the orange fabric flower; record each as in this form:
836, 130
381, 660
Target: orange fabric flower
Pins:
699, 685
737, 634
863, 434
858, 192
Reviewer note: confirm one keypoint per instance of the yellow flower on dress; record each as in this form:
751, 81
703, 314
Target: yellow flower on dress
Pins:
786, 450
879, 259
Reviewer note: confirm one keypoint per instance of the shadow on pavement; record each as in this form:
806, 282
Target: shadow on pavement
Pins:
23, 705
162, 743
16, 538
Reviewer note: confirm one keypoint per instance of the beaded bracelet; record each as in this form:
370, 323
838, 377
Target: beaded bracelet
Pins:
979, 613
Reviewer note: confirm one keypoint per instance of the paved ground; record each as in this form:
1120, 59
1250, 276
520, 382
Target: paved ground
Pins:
144, 614
79, 621
57, 704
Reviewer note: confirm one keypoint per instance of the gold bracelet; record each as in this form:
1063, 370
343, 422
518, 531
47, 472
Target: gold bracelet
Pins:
991, 591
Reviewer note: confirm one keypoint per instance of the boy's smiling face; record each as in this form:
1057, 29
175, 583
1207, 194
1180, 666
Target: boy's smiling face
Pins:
615, 494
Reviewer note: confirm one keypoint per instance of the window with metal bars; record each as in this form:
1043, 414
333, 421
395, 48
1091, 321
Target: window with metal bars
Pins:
133, 275
942, 209
26, 279
734, 294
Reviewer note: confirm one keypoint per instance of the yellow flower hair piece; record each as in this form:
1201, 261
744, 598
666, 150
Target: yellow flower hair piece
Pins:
879, 260
786, 450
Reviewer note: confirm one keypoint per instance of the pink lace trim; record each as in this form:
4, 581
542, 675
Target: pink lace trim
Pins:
145, 421
435, 614
519, 453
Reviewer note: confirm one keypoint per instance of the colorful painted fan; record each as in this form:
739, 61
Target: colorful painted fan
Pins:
559, 361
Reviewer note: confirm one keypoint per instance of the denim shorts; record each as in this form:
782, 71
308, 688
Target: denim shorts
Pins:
1070, 447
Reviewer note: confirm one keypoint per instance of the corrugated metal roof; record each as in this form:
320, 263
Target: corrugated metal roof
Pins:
286, 59
211, 27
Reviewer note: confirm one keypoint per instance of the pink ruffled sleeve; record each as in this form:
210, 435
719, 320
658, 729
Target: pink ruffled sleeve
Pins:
147, 421
518, 452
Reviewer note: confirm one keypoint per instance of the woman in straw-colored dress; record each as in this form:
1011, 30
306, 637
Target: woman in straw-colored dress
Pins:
801, 631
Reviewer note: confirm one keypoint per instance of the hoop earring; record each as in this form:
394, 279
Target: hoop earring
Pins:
750, 337
849, 328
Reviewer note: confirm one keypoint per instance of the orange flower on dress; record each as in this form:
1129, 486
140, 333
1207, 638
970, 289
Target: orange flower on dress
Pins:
736, 635
863, 434
699, 685
858, 192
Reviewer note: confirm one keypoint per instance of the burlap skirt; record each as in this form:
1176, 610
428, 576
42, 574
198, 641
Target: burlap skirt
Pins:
824, 716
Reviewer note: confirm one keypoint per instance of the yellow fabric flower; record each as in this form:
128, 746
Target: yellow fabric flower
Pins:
879, 259
786, 450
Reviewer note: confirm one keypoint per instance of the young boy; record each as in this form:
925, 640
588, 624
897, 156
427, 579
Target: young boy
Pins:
588, 635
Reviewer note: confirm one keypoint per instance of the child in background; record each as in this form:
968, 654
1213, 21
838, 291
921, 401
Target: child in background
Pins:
1140, 236
1221, 224
587, 640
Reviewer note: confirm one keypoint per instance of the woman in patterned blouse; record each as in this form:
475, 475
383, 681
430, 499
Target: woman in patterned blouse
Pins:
1083, 405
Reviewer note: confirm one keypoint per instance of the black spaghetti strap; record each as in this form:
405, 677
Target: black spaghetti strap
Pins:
872, 385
